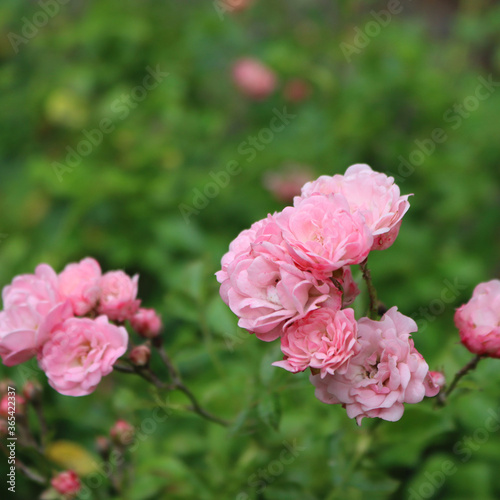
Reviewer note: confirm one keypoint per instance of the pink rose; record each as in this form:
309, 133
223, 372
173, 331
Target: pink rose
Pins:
478, 321
253, 78
29, 301
146, 323
387, 371
81, 351
263, 286
79, 282
322, 235
66, 483
325, 339
118, 295
372, 194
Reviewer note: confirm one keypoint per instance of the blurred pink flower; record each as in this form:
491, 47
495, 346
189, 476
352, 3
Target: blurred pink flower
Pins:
79, 282
7, 408
253, 78
286, 184
81, 351
387, 371
146, 323
140, 355
66, 483
30, 301
478, 321
322, 235
236, 5
371, 194
325, 340
263, 286
118, 295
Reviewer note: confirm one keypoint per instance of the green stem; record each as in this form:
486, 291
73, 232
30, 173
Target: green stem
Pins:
372, 293
471, 365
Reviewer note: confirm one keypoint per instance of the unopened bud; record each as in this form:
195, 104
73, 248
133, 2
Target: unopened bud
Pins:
122, 433
146, 323
32, 390
66, 483
12, 407
103, 445
140, 355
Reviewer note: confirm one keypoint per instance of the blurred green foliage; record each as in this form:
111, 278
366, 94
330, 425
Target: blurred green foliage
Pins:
121, 202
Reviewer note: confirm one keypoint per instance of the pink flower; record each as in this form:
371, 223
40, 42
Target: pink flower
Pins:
286, 184
118, 295
81, 351
146, 323
478, 321
433, 384
263, 286
371, 194
79, 282
387, 371
325, 339
32, 300
236, 5
253, 78
322, 235
66, 483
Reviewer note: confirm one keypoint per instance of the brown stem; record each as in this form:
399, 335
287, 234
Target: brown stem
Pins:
471, 365
372, 293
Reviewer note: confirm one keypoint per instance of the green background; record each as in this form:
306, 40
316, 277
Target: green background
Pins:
120, 204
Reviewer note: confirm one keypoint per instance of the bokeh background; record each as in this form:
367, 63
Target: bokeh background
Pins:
122, 204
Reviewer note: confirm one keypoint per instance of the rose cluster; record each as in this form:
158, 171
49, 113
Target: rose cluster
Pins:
72, 322
288, 277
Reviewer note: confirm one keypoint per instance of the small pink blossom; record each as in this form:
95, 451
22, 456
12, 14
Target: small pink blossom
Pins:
287, 183
322, 235
66, 483
146, 323
81, 351
253, 78
80, 283
118, 295
325, 340
387, 371
478, 321
263, 286
372, 194
140, 355
236, 5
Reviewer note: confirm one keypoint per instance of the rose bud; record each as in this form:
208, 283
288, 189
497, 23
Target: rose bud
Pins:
32, 390
478, 321
102, 445
122, 433
146, 323
66, 483
3, 427
140, 355
6, 407
433, 383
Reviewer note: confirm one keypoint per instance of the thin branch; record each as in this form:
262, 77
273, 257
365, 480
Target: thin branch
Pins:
471, 365
372, 293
